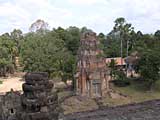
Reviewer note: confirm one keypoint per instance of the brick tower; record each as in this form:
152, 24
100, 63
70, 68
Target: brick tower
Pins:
92, 76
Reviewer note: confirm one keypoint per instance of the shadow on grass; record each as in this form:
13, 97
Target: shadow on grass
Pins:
139, 85
138, 90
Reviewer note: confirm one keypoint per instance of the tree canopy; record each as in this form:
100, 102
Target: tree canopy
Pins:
55, 51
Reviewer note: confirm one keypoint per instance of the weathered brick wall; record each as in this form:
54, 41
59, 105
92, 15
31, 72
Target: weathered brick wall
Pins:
10, 105
91, 65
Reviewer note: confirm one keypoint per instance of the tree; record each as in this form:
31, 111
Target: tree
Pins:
149, 66
17, 37
120, 38
39, 26
7, 49
42, 52
68, 69
125, 29
112, 66
73, 39
139, 34
146, 41
47, 53
112, 46
157, 34
61, 33
85, 29
102, 39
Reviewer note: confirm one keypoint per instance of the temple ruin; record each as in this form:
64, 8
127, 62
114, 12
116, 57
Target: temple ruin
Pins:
92, 73
38, 101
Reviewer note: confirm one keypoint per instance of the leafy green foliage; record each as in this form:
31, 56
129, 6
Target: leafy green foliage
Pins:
39, 26
17, 37
121, 79
55, 51
120, 38
71, 38
157, 34
43, 52
7, 52
113, 68
149, 66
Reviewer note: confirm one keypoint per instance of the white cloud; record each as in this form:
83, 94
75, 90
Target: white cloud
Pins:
87, 2
95, 14
20, 14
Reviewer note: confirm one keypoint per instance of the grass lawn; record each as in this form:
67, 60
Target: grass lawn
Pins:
137, 91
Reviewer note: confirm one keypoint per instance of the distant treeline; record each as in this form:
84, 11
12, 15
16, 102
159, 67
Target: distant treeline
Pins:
54, 51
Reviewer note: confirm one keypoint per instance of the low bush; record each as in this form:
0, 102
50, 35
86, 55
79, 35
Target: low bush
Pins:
1, 81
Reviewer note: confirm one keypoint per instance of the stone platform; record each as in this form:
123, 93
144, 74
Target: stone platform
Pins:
149, 110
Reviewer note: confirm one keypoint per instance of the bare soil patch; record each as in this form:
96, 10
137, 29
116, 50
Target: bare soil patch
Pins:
78, 104
14, 83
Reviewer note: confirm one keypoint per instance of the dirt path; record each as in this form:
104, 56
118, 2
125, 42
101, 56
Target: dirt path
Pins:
14, 82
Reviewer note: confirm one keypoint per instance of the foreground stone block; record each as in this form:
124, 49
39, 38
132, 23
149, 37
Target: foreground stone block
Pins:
39, 100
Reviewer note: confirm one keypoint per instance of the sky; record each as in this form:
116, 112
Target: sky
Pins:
98, 15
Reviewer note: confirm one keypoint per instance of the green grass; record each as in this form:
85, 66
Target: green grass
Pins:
137, 91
